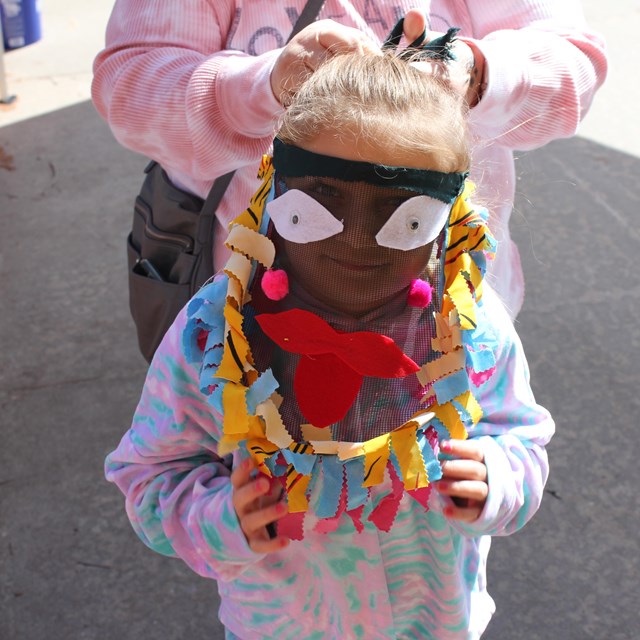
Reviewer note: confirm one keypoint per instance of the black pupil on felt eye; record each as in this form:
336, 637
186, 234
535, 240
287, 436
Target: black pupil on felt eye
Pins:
295, 219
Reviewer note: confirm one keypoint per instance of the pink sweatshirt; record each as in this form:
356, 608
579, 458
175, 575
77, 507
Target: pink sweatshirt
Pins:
425, 579
187, 84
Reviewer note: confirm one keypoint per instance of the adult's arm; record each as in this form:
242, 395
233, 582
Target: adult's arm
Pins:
169, 90
543, 67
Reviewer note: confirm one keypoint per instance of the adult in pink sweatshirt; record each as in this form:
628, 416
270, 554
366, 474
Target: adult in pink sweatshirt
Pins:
189, 84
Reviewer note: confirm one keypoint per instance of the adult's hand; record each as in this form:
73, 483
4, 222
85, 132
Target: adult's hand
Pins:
308, 49
465, 73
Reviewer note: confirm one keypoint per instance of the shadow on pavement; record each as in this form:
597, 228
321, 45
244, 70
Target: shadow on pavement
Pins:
572, 573
71, 565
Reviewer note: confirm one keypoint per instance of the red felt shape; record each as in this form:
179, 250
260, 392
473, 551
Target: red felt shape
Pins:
370, 354
375, 355
325, 388
333, 364
298, 331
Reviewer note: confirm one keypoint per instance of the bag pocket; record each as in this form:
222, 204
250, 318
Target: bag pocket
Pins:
170, 253
154, 302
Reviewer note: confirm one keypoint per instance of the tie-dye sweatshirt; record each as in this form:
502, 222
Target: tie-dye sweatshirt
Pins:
188, 84
424, 579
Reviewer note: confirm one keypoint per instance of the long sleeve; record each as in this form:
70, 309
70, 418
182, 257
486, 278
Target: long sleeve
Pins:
544, 67
177, 489
513, 432
170, 89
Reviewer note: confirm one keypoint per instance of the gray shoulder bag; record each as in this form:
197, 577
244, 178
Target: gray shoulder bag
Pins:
170, 247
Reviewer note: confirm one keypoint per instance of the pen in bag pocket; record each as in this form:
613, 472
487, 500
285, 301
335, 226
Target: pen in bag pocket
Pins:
147, 268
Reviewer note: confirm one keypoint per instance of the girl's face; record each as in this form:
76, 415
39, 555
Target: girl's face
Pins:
350, 271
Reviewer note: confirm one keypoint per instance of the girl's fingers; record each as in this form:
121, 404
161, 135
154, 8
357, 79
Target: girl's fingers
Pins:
268, 545
464, 470
467, 449
464, 480
465, 489
247, 490
257, 505
256, 522
254, 526
241, 473
245, 499
470, 513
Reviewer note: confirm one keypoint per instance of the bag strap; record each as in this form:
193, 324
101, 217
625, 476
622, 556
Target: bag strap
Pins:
308, 14
306, 17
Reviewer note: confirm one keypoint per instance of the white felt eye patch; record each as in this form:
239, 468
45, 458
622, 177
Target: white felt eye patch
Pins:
299, 218
415, 223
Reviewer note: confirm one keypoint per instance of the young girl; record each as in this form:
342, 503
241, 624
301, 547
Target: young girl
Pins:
372, 389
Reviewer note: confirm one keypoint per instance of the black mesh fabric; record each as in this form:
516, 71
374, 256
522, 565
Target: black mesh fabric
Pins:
355, 285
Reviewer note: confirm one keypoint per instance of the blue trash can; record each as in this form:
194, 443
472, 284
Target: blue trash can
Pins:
21, 23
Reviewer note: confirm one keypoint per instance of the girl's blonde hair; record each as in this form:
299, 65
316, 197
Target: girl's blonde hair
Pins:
378, 98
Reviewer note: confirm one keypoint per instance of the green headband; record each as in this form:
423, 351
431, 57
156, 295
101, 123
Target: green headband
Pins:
295, 162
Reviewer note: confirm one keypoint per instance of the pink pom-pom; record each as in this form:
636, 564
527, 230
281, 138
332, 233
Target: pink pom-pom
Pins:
275, 284
420, 294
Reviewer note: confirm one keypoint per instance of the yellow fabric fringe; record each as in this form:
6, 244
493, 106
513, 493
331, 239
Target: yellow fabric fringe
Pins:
462, 293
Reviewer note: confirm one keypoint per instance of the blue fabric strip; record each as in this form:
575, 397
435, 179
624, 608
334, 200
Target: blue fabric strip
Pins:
329, 498
451, 386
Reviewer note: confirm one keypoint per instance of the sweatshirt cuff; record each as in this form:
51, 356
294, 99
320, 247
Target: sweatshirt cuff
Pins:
223, 543
507, 83
243, 92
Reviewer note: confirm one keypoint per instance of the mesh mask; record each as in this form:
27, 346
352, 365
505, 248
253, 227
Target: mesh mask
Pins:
348, 275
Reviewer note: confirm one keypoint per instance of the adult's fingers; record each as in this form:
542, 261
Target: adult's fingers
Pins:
309, 49
335, 38
414, 24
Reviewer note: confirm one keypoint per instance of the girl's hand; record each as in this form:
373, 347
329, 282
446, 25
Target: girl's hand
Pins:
257, 507
465, 74
464, 480
306, 51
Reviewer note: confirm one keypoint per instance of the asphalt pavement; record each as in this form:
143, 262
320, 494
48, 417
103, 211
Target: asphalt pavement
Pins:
70, 565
